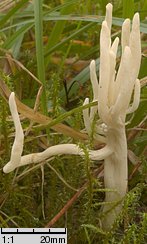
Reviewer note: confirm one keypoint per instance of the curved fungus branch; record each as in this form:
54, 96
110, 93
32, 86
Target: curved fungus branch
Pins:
17, 147
17, 160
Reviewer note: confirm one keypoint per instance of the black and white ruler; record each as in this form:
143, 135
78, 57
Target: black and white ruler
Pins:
33, 235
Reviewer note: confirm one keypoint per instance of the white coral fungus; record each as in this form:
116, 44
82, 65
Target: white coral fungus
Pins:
113, 93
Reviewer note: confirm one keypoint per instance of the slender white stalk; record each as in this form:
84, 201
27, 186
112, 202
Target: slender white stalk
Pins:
86, 117
135, 45
115, 174
124, 94
125, 36
94, 82
108, 17
17, 147
136, 98
104, 76
112, 55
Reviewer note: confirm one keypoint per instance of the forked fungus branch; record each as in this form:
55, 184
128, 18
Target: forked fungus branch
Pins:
113, 93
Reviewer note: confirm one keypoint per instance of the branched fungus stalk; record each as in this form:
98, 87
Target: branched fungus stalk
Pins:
113, 93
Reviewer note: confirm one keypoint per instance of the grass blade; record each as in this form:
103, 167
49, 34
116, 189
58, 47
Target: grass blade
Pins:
39, 49
90, 18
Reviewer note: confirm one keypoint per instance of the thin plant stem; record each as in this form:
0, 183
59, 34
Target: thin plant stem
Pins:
38, 15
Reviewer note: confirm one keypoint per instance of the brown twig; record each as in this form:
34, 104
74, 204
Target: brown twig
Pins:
72, 200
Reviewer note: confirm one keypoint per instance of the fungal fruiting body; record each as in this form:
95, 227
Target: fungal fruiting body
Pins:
113, 93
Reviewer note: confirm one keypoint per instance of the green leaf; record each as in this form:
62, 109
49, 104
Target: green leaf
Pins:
116, 21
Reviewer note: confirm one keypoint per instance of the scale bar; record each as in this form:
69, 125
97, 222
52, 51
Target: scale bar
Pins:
33, 235
32, 231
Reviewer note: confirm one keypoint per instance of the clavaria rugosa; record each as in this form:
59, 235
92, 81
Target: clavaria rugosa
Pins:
113, 93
